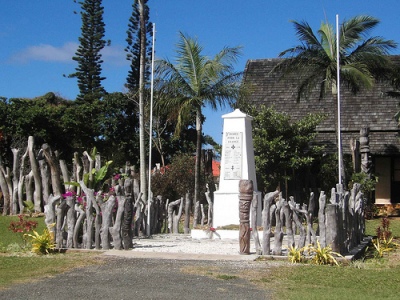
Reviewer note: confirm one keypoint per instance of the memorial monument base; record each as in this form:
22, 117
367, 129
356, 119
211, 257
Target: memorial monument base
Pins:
226, 209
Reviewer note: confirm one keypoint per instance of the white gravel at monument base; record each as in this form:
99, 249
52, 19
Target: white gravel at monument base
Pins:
181, 243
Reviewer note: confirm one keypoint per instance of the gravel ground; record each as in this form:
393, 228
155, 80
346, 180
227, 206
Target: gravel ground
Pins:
185, 244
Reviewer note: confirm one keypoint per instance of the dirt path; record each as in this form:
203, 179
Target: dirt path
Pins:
144, 278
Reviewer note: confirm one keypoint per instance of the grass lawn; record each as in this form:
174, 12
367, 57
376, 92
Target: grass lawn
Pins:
7, 237
25, 267
18, 264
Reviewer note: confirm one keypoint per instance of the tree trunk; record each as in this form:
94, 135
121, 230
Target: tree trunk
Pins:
77, 171
89, 169
297, 219
142, 69
203, 215
22, 180
126, 228
28, 187
188, 204
287, 212
15, 196
54, 169
197, 168
5, 191
278, 236
106, 210
174, 215
71, 220
60, 213
89, 214
7, 178
50, 213
253, 219
36, 176
116, 229
97, 221
65, 175
266, 221
209, 198
139, 205
166, 217
45, 176
321, 219
78, 225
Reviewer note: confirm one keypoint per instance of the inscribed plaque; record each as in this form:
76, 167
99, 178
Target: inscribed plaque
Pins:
233, 155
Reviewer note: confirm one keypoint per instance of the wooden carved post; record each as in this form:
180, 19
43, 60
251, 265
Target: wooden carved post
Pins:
364, 151
266, 222
245, 197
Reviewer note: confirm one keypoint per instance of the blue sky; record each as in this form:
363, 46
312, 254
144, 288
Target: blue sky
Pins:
38, 38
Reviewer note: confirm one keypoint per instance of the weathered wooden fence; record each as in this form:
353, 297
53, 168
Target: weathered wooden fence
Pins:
83, 217
340, 221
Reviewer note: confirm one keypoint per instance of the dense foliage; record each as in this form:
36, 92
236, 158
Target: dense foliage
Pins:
193, 82
282, 149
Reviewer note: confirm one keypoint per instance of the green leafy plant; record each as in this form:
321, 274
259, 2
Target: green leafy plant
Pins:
368, 183
296, 255
382, 247
42, 243
322, 255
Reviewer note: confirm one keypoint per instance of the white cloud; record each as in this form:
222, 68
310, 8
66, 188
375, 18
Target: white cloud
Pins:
112, 55
45, 52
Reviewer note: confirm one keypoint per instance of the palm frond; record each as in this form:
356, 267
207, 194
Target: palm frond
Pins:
328, 40
305, 33
313, 62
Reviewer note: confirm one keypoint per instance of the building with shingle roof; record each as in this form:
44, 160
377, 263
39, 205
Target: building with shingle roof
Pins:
373, 109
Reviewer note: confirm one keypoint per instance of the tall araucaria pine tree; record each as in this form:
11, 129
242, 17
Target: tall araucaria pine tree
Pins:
88, 54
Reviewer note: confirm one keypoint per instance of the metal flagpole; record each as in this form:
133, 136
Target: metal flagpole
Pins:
338, 100
150, 132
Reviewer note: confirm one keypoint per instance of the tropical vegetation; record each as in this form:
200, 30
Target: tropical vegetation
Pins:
195, 81
88, 55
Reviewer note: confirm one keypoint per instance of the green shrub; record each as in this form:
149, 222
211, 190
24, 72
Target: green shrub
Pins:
322, 255
383, 243
42, 243
296, 255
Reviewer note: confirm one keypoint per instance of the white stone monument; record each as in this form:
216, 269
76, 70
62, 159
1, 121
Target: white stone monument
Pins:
237, 162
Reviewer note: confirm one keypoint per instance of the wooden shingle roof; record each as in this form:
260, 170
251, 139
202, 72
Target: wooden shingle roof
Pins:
369, 108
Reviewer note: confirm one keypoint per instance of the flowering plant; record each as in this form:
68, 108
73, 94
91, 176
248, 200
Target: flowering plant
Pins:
23, 226
69, 194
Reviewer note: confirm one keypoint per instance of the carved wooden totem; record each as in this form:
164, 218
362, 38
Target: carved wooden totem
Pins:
245, 198
364, 151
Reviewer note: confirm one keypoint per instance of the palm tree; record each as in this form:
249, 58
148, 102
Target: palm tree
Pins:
362, 60
196, 81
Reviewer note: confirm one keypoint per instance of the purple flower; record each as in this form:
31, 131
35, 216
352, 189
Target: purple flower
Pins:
69, 194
